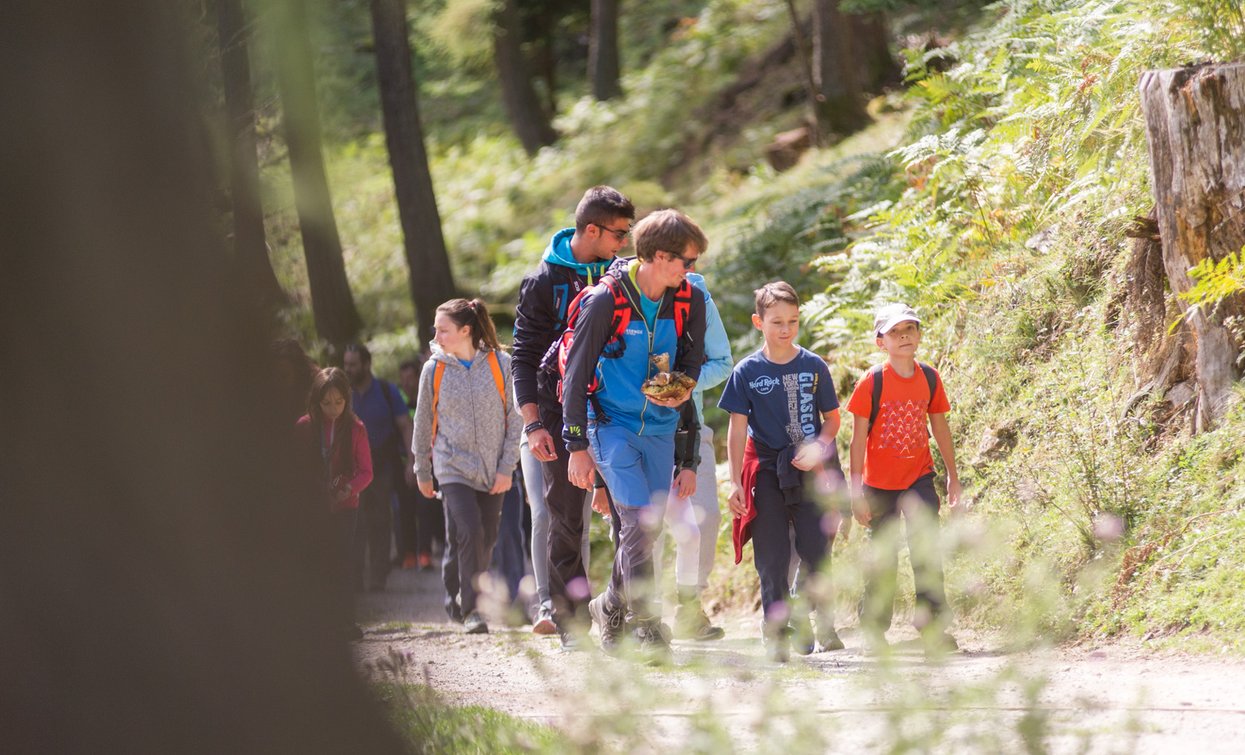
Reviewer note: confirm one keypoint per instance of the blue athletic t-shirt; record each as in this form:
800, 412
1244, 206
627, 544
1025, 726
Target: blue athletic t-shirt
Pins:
378, 411
784, 402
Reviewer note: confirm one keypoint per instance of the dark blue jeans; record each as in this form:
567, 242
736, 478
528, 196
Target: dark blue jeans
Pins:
918, 505
778, 511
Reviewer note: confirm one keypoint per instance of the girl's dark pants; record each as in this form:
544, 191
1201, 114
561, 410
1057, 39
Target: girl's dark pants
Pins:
777, 511
472, 518
919, 507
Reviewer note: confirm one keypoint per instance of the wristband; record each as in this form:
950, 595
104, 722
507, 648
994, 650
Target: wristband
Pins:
533, 425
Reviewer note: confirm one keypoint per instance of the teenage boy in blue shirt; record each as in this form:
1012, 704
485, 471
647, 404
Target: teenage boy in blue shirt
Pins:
622, 433
784, 417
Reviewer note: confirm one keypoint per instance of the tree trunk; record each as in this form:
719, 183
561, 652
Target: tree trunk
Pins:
840, 104
337, 320
142, 445
250, 248
528, 118
806, 65
1195, 123
428, 263
603, 65
875, 65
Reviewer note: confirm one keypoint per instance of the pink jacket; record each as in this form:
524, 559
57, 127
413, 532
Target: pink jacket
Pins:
362, 463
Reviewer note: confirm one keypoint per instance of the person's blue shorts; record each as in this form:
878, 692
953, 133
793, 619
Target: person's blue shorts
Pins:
638, 469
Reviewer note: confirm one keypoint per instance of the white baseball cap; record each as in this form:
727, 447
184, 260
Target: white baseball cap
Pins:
891, 315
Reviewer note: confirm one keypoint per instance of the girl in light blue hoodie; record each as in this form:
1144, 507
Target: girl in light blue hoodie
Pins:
467, 436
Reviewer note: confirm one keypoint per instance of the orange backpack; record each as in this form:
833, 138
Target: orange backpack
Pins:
498, 378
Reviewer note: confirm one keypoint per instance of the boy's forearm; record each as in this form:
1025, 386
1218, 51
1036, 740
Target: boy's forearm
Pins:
856, 453
736, 441
942, 437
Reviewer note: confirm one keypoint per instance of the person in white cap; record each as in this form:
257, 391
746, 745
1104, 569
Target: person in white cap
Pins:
896, 406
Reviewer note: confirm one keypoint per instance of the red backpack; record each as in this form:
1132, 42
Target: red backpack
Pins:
554, 360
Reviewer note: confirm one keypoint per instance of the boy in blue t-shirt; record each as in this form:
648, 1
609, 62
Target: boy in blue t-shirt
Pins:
784, 417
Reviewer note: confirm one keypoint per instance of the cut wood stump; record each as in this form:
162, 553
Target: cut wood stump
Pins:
1195, 125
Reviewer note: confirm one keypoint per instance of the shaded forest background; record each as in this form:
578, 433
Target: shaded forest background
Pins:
157, 235
987, 163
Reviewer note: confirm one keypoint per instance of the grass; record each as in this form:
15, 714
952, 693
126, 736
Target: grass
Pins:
430, 725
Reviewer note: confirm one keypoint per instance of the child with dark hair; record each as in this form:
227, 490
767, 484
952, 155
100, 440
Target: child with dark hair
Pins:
467, 434
784, 418
339, 440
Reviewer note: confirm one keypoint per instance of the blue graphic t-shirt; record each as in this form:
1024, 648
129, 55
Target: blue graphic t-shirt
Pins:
784, 402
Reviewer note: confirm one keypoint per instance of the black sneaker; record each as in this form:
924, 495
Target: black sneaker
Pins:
653, 646
474, 624
610, 623
571, 642
802, 640
454, 611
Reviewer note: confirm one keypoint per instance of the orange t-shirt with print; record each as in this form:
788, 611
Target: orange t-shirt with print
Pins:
898, 450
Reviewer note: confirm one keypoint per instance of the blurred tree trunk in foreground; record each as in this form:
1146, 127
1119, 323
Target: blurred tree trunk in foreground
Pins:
428, 263
603, 67
250, 248
1195, 123
337, 320
527, 117
168, 585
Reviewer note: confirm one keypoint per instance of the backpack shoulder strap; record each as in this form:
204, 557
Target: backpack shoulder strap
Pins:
437, 373
682, 307
500, 380
931, 378
876, 404
622, 306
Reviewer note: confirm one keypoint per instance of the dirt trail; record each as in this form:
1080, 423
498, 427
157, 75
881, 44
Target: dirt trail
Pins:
1112, 699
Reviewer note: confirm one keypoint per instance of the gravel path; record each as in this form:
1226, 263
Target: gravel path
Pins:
1116, 698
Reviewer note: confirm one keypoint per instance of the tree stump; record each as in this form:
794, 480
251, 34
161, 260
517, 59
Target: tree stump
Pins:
1195, 125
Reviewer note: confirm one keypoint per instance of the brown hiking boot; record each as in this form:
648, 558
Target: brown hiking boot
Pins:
691, 623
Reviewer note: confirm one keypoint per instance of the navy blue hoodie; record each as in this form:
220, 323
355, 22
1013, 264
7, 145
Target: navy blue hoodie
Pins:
541, 317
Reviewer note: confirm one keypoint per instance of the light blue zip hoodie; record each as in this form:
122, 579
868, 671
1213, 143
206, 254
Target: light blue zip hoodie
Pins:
718, 357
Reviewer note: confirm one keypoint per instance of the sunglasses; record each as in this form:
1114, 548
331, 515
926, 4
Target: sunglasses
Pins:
688, 262
619, 233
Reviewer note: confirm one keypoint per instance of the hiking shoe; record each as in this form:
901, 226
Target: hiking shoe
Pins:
454, 611
474, 624
691, 623
410, 560
875, 642
610, 623
938, 644
425, 561
802, 640
653, 646
777, 645
570, 642
827, 638
544, 624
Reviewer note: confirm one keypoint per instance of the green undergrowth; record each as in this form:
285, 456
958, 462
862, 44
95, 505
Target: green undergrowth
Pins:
429, 724
1001, 215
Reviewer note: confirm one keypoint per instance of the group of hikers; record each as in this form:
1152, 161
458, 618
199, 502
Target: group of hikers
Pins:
600, 402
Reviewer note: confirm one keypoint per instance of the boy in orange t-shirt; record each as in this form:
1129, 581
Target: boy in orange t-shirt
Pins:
892, 473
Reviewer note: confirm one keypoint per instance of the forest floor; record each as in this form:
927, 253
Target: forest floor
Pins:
1110, 698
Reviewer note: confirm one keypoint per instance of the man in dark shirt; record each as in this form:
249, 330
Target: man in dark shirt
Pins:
575, 258
380, 407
